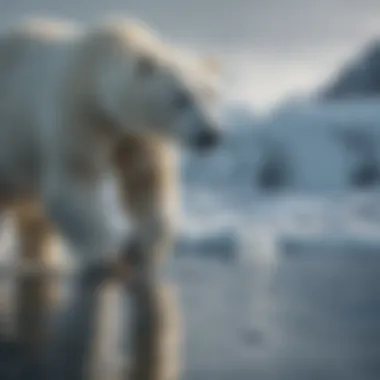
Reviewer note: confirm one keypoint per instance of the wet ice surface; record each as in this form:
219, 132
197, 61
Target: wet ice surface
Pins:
303, 318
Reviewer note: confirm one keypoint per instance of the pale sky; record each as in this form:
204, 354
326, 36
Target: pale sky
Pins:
269, 47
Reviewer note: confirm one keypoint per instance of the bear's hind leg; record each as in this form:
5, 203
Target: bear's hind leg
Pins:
36, 291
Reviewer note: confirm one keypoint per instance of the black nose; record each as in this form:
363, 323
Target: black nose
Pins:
207, 139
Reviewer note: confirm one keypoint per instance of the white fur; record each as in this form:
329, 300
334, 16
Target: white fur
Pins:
49, 72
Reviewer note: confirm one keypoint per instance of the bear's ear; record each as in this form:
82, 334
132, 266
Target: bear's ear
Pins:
145, 66
211, 64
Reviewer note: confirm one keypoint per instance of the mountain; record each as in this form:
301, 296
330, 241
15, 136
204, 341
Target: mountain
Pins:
359, 78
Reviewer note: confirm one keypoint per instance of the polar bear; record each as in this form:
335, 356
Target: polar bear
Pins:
77, 102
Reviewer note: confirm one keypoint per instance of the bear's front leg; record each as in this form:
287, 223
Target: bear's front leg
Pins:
148, 190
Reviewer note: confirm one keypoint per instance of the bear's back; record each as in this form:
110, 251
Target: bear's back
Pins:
30, 55
29, 49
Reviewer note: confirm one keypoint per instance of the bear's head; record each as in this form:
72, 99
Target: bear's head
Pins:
146, 86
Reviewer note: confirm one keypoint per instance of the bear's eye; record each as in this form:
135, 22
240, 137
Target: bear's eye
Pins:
181, 101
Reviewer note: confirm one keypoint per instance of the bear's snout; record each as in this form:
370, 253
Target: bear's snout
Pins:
206, 140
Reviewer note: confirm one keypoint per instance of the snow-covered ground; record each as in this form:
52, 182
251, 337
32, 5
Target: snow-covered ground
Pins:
283, 285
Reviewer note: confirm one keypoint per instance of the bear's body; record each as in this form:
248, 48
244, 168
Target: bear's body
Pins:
76, 103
